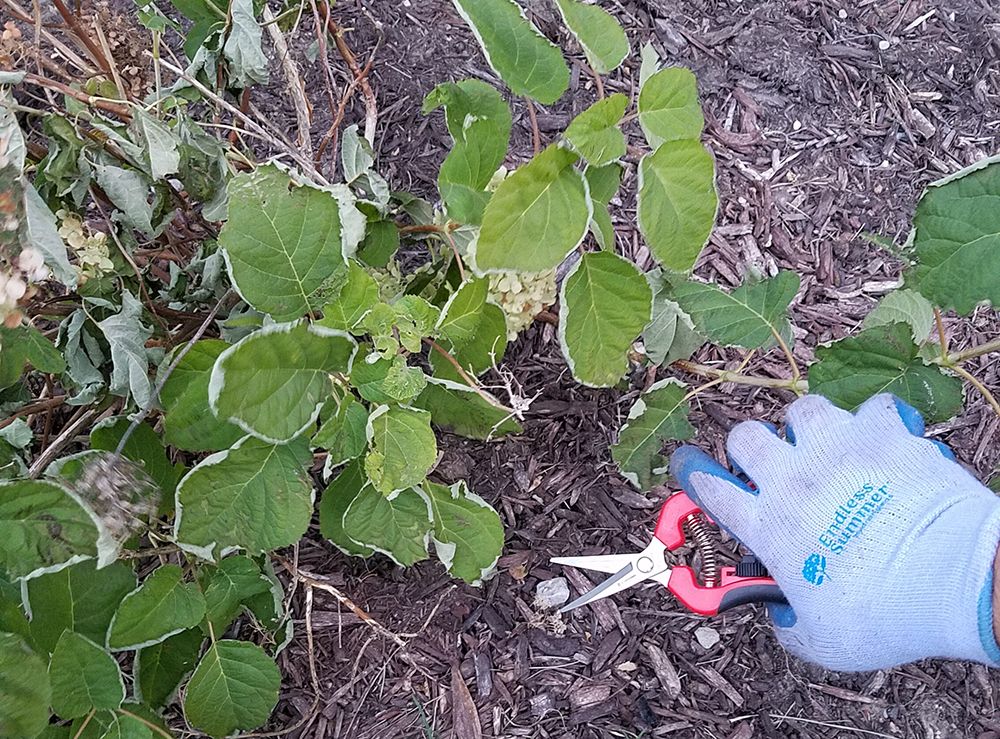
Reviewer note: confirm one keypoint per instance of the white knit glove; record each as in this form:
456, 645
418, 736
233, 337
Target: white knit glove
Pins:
882, 543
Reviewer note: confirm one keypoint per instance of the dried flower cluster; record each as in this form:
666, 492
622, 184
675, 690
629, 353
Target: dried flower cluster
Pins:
522, 297
91, 251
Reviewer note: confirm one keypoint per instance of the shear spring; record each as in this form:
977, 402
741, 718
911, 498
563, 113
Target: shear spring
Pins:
698, 531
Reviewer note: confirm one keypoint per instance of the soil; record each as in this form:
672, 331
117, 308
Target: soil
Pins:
826, 118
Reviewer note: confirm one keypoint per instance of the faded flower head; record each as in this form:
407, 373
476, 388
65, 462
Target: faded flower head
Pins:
92, 256
119, 492
522, 297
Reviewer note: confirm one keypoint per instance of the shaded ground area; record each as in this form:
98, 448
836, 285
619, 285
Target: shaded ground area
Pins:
826, 118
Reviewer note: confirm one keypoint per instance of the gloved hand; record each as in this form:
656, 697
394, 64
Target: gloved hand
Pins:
882, 543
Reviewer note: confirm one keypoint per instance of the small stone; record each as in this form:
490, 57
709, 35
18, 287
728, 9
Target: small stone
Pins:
627, 667
551, 593
883, 45
707, 636
842, 14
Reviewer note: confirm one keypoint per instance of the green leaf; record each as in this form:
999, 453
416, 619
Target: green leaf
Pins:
12, 618
143, 447
39, 229
595, 134
398, 526
904, 306
84, 677
458, 408
537, 216
602, 38
43, 528
162, 606
528, 62
606, 303
186, 425
748, 317
160, 668
247, 63
658, 415
677, 202
25, 345
467, 533
159, 144
235, 580
403, 448
337, 498
956, 239
668, 107
111, 725
343, 435
25, 692
387, 380
128, 190
273, 383
130, 363
283, 243
234, 687
78, 598
604, 183
253, 496
472, 330
670, 334
380, 244
479, 122
356, 297
884, 359
404, 323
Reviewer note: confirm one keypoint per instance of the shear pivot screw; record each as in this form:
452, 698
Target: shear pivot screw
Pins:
645, 564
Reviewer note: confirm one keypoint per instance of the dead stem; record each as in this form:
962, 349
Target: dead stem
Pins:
536, 134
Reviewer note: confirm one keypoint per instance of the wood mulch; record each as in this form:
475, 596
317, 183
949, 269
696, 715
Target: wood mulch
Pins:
826, 118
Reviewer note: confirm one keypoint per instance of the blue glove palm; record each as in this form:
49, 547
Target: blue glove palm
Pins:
882, 543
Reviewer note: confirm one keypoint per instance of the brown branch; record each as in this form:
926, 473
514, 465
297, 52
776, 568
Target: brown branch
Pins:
361, 75
81, 33
35, 407
296, 89
122, 111
536, 134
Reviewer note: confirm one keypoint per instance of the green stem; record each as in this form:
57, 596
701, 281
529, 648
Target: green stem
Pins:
797, 386
970, 353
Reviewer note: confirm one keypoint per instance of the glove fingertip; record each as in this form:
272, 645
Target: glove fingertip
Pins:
910, 417
687, 460
782, 614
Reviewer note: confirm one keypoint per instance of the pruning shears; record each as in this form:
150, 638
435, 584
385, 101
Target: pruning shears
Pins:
709, 592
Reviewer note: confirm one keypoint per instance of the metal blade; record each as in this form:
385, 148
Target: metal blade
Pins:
625, 578
609, 563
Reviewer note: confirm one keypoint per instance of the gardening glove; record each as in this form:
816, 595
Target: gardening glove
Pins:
881, 542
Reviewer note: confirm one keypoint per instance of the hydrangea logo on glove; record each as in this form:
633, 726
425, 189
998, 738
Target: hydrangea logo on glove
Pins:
882, 543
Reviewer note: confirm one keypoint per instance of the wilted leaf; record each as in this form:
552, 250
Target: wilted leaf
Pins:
283, 243
528, 62
186, 425
337, 498
343, 435
253, 496
273, 383
458, 408
130, 363
668, 107
159, 144
234, 687
397, 526
537, 216
595, 133
884, 359
160, 668
747, 317
479, 122
677, 202
84, 677
467, 533
606, 303
402, 448
128, 189
162, 606
39, 229
904, 306
25, 693
247, 63
602, 38
660, 414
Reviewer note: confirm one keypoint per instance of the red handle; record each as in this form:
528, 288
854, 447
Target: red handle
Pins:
670, 524
731, 591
